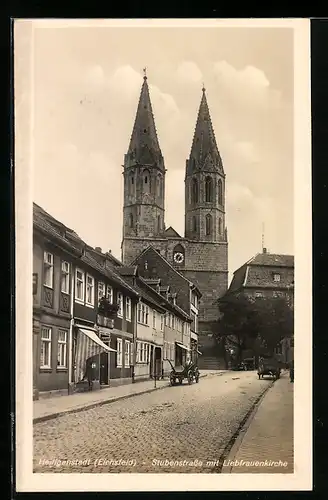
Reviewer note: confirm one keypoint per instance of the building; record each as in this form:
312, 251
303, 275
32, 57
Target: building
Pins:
268, 276
201, 255
159, 272
163, 329
265, 275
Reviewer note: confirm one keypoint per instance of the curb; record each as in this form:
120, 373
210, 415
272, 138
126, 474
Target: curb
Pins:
235, 441
90, 406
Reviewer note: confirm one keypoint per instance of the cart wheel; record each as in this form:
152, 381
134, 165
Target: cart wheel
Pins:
172, 381
190, 377
259, 376
197, 378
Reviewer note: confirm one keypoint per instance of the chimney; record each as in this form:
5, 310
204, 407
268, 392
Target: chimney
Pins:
264, 250
98, 249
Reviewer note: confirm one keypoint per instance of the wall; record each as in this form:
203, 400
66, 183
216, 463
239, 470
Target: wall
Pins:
119, 375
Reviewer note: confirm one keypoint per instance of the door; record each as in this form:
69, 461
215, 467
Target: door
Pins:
104, 368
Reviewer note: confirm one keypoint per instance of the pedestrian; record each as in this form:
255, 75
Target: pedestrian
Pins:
291, 370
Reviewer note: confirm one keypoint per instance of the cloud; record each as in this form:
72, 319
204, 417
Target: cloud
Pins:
188, 72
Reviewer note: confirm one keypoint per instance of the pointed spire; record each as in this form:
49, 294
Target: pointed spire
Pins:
204, 151
144, 145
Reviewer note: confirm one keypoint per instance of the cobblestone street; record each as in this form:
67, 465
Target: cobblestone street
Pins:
191, 424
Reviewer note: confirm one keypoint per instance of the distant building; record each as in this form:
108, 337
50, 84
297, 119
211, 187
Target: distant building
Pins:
268, 275
201, 255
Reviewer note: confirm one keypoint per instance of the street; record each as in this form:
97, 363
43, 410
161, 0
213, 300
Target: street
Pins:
177, 429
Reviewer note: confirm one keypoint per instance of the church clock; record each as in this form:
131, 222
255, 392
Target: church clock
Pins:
178, 257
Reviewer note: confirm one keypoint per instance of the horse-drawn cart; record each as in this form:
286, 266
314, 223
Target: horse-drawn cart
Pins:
189, 372
270, 367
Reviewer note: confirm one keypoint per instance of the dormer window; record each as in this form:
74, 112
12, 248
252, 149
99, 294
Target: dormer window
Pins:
276, 277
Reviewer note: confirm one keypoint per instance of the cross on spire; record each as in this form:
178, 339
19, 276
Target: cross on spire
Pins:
145, 72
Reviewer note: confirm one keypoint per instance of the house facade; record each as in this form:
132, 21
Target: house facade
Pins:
268, 276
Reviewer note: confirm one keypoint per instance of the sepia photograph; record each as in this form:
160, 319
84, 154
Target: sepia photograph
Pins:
163, 255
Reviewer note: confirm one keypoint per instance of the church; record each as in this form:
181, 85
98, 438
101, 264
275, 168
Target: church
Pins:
201, 254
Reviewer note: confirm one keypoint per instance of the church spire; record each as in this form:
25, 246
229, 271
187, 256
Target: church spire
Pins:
204, 154
144, 146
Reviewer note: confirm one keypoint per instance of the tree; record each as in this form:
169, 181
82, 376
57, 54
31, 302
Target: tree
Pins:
257, 324
238, 326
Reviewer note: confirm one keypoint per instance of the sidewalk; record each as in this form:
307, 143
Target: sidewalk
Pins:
48, 408
268, 437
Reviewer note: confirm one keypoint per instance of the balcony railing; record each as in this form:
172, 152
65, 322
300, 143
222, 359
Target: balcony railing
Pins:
104, 321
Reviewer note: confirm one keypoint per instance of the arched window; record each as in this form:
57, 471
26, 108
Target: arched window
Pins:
220, 191
194, 191
131, 183
208, 224
159, 185
146, 181
208, 189
220, 225
194, 224
158, 223
130, 220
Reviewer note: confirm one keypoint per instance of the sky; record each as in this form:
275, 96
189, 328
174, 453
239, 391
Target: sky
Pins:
87, 82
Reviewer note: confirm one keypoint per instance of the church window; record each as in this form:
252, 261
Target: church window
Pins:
194, 224
159, 185
159, 223
146, 181
130, 220
208, 189
131, 183
208, 224
220, 192
194, 191
220, 225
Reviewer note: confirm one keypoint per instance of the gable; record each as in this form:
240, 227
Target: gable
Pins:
170, 232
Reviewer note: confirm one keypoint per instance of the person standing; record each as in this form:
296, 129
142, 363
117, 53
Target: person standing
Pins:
291, 371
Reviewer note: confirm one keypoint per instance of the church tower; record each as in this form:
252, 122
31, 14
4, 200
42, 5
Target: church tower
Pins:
204, 183
144, 181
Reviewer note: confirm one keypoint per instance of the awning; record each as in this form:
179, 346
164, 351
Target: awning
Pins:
182, 346
93, 336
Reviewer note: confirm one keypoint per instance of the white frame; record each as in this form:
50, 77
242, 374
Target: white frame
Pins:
120, 302
142, 314
61, 343
154, 319
92, 285
78, 299
46, 266
276, 277
127, 354
119, 353
101, 290
128, 308
49, 342
109, 293
65, 273
162, 322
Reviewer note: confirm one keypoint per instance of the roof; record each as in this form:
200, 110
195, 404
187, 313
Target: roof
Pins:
272, 259
128, 270
145, 291
158, 255
172, 232
204, 152
256, 272
144, 146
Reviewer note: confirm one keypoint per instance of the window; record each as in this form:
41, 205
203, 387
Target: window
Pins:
173, 321
146, 181
45, 347
276, 277
220, 225
120, 304
220, 192
65, 277
194, 224
208, 224
62, 349
143, 351
90, 289
127, 354
194, 191
109, 294
158, 223
131, 183
101, 290
159, 186
208, 189
142, 314
128, 308
119, 353
130, 220
79, 285
162, 322
48, 270
154, 319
